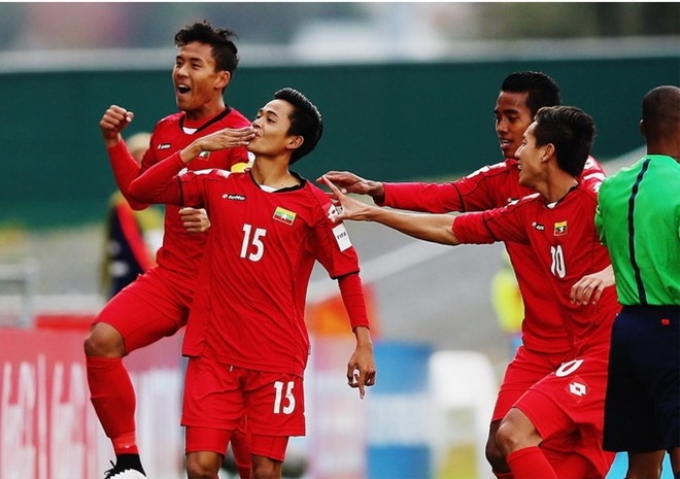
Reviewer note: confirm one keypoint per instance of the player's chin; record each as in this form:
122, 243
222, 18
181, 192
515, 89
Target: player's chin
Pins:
508, 150
183, 103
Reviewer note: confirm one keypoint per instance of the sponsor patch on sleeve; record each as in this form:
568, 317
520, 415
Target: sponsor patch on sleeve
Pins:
342, 237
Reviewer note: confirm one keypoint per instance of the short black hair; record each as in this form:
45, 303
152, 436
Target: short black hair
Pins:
542, 90
305, 121
661, 111
570, 130
224, 49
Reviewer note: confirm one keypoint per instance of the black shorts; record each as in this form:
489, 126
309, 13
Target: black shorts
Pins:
642, 404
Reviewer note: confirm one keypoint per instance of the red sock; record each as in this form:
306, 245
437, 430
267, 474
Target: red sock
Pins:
576, 466
113, 397
530, 463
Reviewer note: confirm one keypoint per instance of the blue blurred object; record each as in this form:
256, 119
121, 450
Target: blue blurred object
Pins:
398, 432
620, 467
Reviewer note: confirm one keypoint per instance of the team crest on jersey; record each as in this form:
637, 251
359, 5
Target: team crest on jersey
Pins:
164, 146
203, 155
560, 228
284, 216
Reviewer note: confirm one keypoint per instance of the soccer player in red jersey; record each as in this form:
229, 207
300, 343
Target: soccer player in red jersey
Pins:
564, 409
545, 342
157, 303
248, 349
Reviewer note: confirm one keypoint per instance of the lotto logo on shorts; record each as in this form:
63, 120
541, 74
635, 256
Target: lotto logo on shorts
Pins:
577, 389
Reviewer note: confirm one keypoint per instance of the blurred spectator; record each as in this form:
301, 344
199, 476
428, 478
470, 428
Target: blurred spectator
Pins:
131, 237
506, 300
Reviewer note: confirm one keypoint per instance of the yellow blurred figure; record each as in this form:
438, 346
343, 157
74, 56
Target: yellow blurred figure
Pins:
507, 303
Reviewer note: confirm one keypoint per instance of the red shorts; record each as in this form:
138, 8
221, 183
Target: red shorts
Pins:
153, 306
567, 409
218, 396
526, 369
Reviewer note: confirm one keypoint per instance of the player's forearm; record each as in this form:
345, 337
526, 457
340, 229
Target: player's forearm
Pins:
352, 293
190, 153
362, 336
425, 197
125, 170
159, 183
433, 228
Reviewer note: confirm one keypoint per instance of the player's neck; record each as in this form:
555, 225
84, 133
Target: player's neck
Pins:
205, 112
557, 188
273, 173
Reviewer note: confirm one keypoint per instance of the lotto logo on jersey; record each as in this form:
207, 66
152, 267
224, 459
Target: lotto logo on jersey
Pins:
560, 228
284, 216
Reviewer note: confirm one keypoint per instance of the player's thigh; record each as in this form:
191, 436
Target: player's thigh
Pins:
566, 408
145, 311
213, 397
270, 447
275, 408
527, 368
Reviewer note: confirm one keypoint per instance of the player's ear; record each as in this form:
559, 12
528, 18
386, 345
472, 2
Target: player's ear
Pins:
295, 142
549, 150
222, 80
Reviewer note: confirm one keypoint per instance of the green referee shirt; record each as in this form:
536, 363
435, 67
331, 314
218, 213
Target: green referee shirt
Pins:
638, 219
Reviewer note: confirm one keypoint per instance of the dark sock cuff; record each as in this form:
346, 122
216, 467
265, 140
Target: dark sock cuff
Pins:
129, 461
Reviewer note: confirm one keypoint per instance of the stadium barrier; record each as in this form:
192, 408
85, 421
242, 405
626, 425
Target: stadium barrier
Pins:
48, 429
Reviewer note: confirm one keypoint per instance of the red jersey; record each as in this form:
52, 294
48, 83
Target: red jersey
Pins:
269, 241
181, 252
566, 247
488, 188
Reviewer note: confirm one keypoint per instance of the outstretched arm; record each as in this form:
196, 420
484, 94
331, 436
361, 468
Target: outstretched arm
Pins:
433, 228
350, 183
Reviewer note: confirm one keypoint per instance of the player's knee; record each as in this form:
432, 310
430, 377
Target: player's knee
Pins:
494, 456
507, 438
515, 432
104, 340
492, 452
265, 468
202, 466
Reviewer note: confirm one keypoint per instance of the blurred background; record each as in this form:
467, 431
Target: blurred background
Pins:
407, 91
